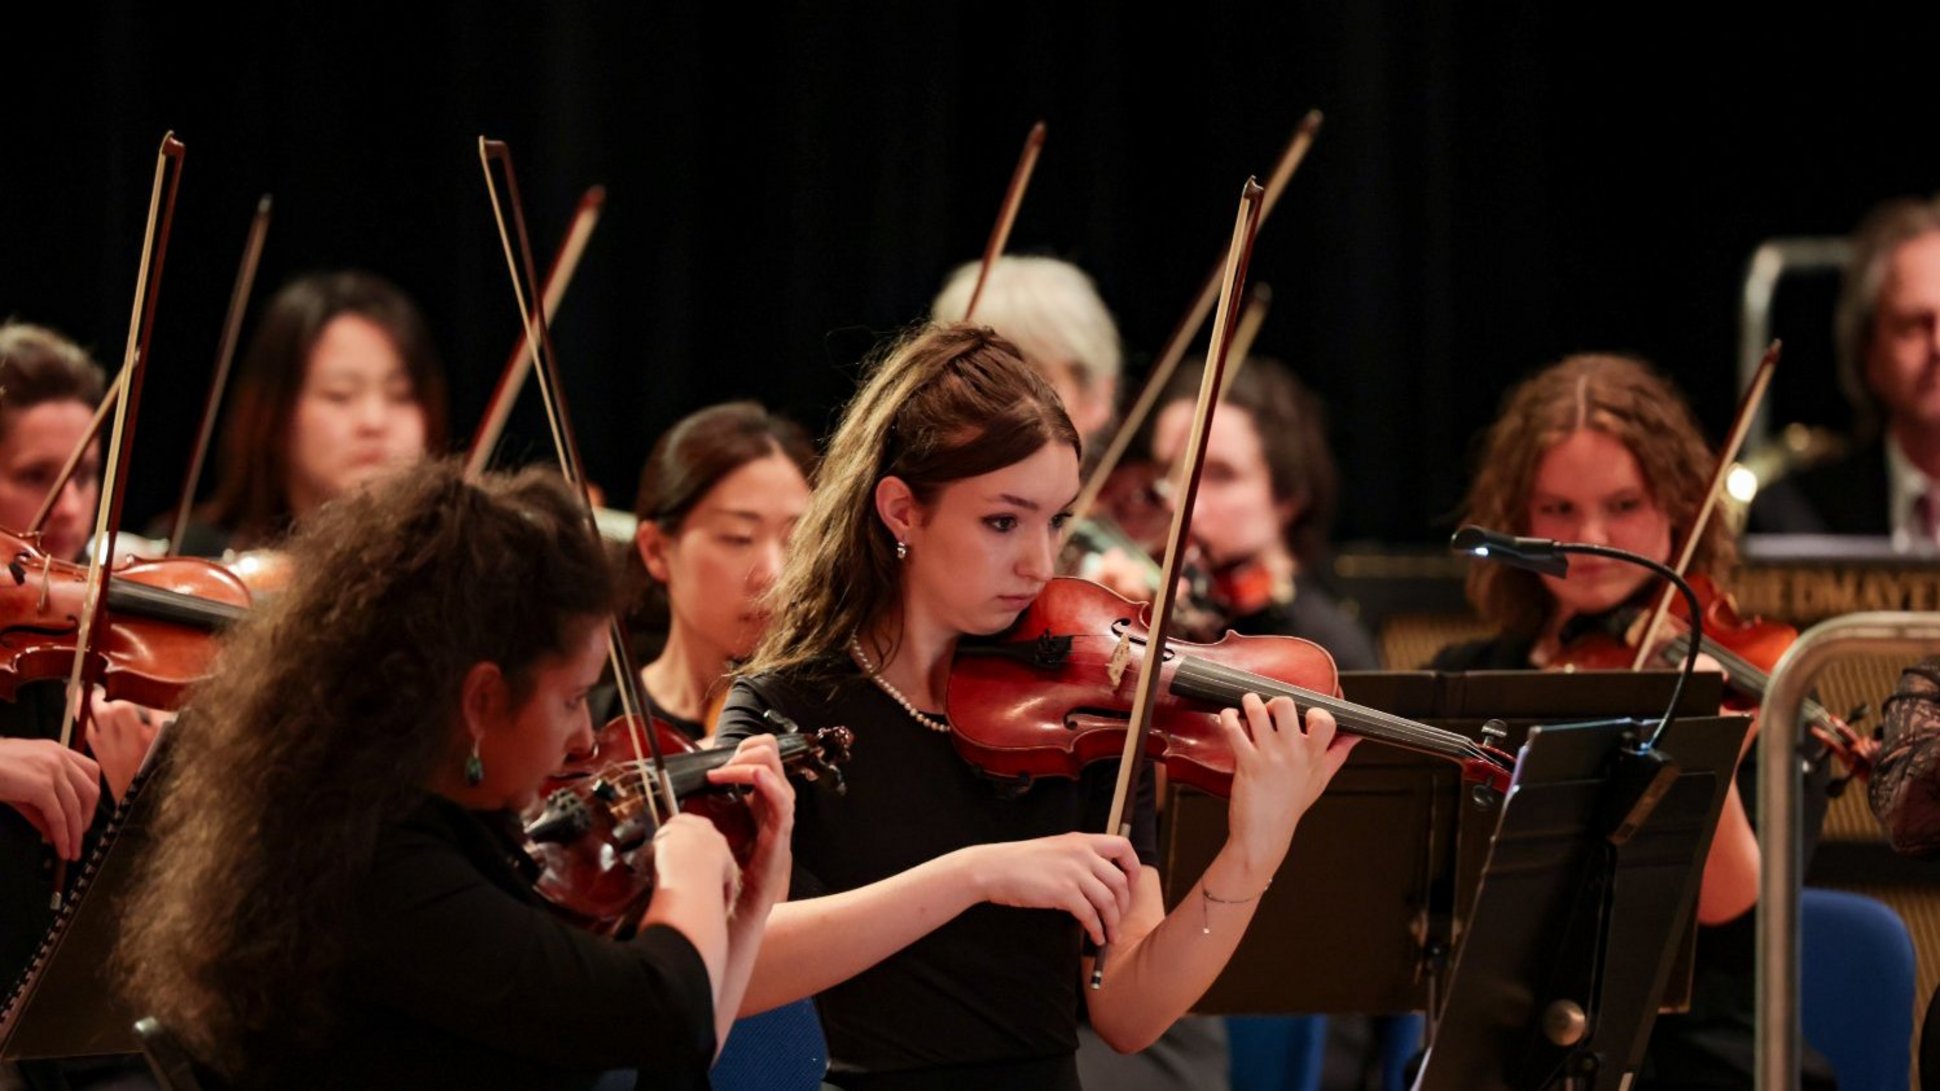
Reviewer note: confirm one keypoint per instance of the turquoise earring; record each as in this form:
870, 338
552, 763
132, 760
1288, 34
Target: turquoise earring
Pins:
474, 767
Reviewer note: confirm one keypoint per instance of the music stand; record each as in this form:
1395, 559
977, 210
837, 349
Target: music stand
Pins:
1376, 891
1574, 932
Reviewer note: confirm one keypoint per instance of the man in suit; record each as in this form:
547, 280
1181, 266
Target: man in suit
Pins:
1888, 327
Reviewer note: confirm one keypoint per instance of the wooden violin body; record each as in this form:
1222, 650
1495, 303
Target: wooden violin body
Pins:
593, 835
1747, 649
156, 641
1054, 694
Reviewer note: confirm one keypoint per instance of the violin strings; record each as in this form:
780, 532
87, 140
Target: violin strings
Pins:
1396, 728
1748, 675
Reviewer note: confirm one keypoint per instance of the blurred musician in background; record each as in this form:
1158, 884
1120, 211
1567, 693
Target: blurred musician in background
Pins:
1888, 335
1603, 449
1052, 312
341, 384
718, 498
1265, 506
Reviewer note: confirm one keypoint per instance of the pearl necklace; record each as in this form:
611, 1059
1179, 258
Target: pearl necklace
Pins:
896, 695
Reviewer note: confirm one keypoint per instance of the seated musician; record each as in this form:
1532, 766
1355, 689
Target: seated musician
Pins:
341, 383
937, 913
1888, 338
337, 896
1051, 311
1265, 506
49, 388
719, 497
1603, 449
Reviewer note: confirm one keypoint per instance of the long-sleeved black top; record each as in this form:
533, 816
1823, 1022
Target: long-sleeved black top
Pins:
458, 976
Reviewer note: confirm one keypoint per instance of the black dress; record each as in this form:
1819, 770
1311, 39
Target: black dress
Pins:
459, 977
1709, 1046
988, 999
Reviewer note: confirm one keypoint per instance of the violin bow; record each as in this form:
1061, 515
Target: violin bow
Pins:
232, 326
545, 365
88, 667
252, 256
1188, 328
1239, 255
518, 365
1020, 180
1761, 380
1259, 300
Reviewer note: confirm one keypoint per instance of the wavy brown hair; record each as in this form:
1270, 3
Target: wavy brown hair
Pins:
251, 497
1623, 397
334, 704
946, 403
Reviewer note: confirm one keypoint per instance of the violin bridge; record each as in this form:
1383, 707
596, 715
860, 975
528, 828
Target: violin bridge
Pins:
1121, 658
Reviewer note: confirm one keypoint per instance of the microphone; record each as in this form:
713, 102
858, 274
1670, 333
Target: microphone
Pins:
1535, 554
1550, 558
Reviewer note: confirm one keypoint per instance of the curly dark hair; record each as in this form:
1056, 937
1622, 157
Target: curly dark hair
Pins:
331, 709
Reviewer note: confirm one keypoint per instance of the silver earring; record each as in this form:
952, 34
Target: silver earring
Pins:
902, 550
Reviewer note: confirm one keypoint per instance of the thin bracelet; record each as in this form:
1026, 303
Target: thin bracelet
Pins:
1205, 912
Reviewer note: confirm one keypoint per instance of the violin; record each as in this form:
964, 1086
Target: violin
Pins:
593, 834
1747, 649
1054, 693
156, 640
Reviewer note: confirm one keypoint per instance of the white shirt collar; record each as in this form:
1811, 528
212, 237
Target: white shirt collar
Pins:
1905, 484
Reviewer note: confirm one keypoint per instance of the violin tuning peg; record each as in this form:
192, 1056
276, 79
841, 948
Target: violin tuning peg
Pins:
1859, 712
1495, 731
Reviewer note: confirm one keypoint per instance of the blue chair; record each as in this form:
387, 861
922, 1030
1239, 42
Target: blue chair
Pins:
1289, 1052
778, 1050
1276, 1052
1856, 987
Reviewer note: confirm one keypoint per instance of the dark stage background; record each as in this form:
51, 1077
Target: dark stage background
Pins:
1496, 185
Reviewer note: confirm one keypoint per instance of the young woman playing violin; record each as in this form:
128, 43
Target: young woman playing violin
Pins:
1602, 449
939, 913
718, 498
341, 384
337, 896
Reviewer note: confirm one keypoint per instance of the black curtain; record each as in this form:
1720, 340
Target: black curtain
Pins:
1496, 185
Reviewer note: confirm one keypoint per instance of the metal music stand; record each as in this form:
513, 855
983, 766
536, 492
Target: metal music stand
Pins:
1376, 892
1575, 926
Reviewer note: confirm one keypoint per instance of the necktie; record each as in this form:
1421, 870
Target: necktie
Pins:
1926, 516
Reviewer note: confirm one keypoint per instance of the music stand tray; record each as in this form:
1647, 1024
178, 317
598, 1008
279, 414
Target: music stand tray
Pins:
1574, 933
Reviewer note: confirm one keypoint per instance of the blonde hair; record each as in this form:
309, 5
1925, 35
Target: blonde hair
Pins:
1622, 397
1048, 308
947, 403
